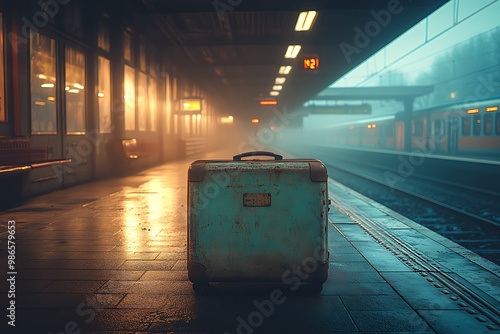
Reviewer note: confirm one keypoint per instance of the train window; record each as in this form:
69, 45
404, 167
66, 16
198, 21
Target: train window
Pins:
466, 126
129, 96
3, 114
152, 94
43, 84
75, 91
103, 36
142, 101
488, 124
418, 127
477, 125
104, 94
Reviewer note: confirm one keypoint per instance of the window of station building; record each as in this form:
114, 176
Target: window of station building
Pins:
153, 95
129, 97
3, 113
142, 101
103, 41
477, 125
466, 126
488, 124
104, 94
142, 57
43, 84
127, 46
75, 92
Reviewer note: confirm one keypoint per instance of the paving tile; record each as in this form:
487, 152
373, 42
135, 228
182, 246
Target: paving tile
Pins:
74, 286
148, 265
455, 321
159, 275
389, 321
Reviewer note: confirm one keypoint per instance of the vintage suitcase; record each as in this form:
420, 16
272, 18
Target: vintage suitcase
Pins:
258, 221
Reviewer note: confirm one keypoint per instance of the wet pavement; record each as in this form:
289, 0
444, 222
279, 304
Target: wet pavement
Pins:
110, 257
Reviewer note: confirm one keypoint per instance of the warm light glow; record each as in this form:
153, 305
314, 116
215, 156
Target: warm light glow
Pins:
191, 104
227, 120
277, 87
305, 20
372, 126
478, 121
453, 95
42, 76
292, 51
492, 109
66, 88
255, 121
51, 98
100, 94
77, 85
39, 103
268, 102
47, 85
280, 80
274, 93
285, 69
73, 90
473, 111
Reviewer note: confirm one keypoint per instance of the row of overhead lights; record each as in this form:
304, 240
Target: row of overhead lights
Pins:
305, 22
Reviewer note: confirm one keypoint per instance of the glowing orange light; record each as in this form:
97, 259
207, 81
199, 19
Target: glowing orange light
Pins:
473, 111
310, 63
492, 109
268, 102
255, 121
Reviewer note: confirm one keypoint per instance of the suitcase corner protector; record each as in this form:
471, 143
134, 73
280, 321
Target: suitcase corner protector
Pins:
196, 172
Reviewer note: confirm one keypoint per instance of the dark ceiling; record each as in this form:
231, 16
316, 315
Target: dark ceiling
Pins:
234, 48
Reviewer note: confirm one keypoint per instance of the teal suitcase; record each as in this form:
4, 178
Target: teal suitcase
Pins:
262, 220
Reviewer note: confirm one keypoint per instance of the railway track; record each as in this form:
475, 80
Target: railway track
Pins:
481, 308
465, 221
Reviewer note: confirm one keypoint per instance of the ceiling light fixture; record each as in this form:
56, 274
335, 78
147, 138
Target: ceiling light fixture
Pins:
285, 69
292, 51
305, 20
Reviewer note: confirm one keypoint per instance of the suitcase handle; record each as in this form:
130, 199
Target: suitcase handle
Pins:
254, 153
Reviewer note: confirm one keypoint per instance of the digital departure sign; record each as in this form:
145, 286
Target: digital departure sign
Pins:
310, 63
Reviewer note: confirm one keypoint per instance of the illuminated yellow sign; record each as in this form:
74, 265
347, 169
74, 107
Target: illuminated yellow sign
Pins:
492, 109
255, 121
191, 105
473, 111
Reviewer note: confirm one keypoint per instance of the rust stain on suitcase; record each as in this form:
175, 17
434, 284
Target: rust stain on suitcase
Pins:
251, 199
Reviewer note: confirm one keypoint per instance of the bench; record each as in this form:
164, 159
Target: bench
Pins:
18, 157
134, 149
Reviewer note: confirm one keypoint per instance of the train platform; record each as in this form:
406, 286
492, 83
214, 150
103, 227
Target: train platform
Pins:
110, 257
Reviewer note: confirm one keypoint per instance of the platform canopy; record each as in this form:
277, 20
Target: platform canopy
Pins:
373, 93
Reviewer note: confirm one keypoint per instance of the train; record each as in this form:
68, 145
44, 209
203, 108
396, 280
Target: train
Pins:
458, 129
